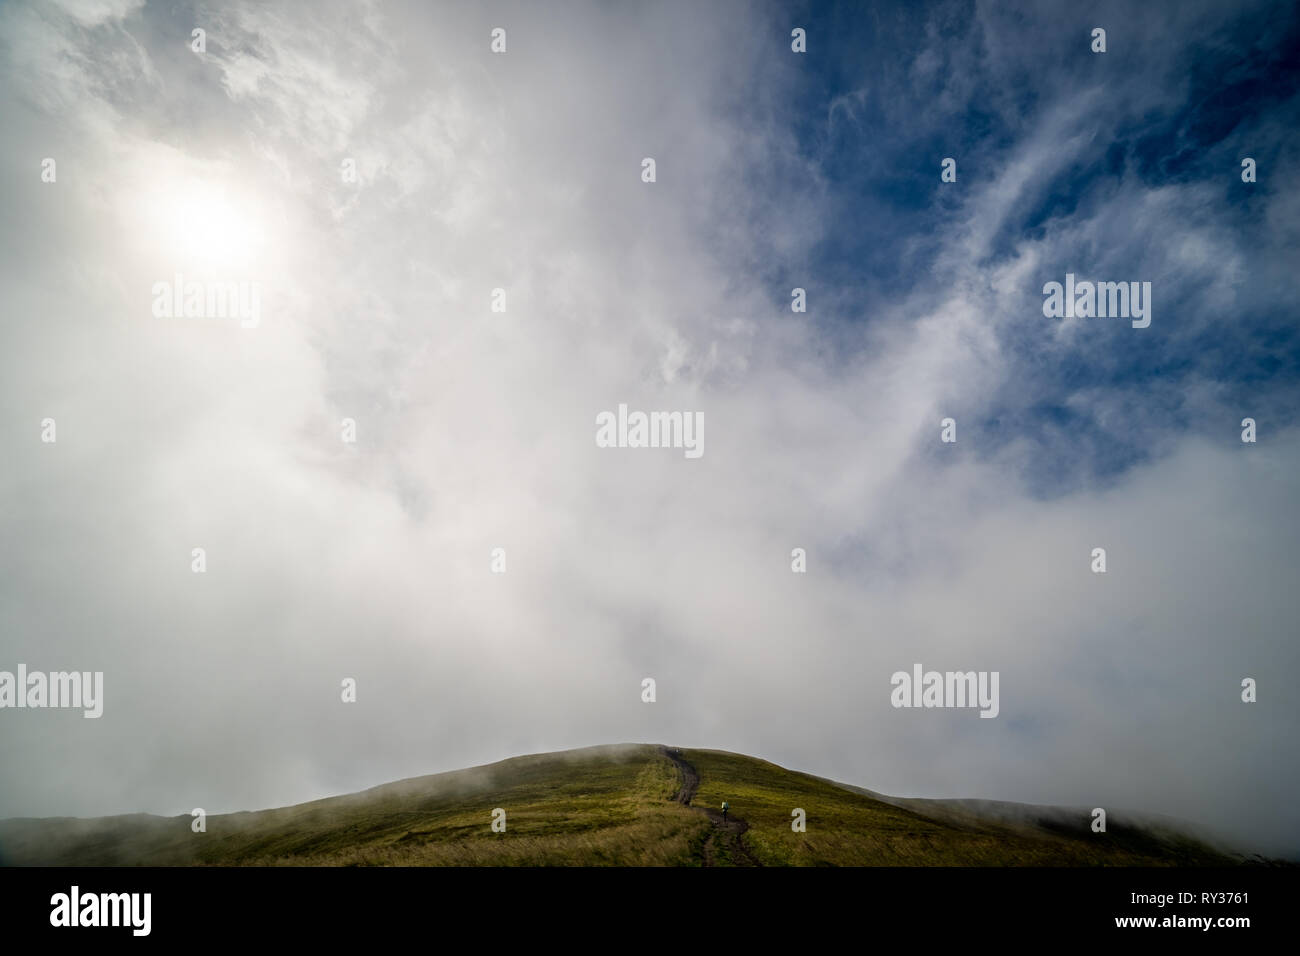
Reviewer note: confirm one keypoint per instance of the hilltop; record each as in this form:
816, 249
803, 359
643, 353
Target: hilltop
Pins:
632, 805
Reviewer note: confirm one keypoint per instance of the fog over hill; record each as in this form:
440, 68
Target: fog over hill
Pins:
623, 805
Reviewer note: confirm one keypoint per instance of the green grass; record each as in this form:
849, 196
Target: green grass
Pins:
597, 807
851, 829
594, 807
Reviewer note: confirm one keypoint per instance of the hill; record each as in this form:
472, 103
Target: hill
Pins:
637, 805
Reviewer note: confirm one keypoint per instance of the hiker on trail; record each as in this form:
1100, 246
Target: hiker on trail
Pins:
725, 807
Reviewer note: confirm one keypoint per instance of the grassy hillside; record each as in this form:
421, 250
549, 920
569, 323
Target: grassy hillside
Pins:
600, 806
846, 827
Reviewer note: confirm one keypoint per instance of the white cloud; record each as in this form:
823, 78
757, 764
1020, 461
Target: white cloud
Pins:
475, 431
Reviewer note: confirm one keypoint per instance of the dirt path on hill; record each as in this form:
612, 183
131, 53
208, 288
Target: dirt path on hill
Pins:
724, 844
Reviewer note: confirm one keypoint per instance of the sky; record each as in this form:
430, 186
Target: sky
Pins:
474, 428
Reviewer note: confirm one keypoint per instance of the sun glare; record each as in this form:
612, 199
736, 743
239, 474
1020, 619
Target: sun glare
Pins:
204, 225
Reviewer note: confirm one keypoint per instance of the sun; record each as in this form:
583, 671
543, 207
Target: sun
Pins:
203, 225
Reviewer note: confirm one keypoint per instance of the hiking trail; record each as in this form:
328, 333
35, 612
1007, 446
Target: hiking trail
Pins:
723, 845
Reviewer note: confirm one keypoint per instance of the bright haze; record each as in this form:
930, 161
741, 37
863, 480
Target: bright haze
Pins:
475, 429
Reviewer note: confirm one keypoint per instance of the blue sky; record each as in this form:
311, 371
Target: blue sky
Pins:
888, 91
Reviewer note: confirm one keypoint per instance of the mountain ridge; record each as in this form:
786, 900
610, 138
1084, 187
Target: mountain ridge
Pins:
616, 804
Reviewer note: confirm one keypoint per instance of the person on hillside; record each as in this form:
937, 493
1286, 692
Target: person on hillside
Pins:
725, 807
